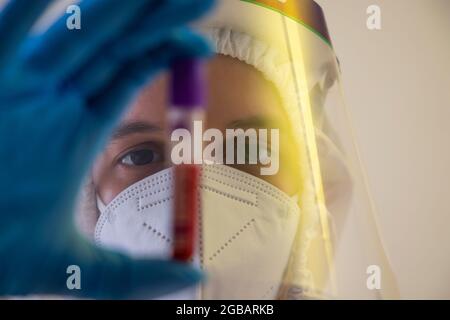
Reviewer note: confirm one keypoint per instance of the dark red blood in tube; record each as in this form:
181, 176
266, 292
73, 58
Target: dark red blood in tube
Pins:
187, 179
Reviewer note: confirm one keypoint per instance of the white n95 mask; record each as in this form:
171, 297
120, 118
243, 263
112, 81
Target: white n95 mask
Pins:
246, 229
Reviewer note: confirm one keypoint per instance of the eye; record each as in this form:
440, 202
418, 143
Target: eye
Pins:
141, 157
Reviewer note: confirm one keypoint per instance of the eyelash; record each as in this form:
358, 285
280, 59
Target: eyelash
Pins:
156, 156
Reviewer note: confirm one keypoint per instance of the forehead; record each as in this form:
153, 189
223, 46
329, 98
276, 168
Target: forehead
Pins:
233, 86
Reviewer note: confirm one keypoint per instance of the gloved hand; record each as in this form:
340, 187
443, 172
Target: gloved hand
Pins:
61, 93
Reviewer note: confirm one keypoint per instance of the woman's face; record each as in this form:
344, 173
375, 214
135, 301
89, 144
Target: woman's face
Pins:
238, 97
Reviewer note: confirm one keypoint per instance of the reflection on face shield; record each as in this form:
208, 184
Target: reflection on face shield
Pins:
309, 231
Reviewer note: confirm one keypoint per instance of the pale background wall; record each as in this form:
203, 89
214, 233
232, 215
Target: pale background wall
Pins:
397, 86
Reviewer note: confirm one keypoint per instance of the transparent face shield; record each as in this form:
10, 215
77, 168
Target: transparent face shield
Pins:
337, 252
284, 215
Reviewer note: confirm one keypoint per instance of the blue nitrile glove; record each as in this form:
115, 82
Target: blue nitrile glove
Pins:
61, 93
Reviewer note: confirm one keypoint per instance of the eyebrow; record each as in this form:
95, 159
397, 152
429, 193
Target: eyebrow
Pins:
129, 128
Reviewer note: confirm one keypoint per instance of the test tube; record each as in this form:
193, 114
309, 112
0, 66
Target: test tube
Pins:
187, 106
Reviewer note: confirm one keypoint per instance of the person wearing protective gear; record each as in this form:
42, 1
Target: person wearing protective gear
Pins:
61, 94
291, 235
239, 207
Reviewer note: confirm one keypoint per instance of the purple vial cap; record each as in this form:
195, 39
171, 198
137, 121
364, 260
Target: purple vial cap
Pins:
188, 83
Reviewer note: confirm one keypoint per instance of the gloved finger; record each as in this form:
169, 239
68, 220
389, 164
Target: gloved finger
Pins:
174, 14
120, 277
82, 269
134, 43
59, 50
107, 104
106, 274
16, 20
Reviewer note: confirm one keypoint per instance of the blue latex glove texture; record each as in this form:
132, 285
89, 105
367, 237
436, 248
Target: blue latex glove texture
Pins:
61, 94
